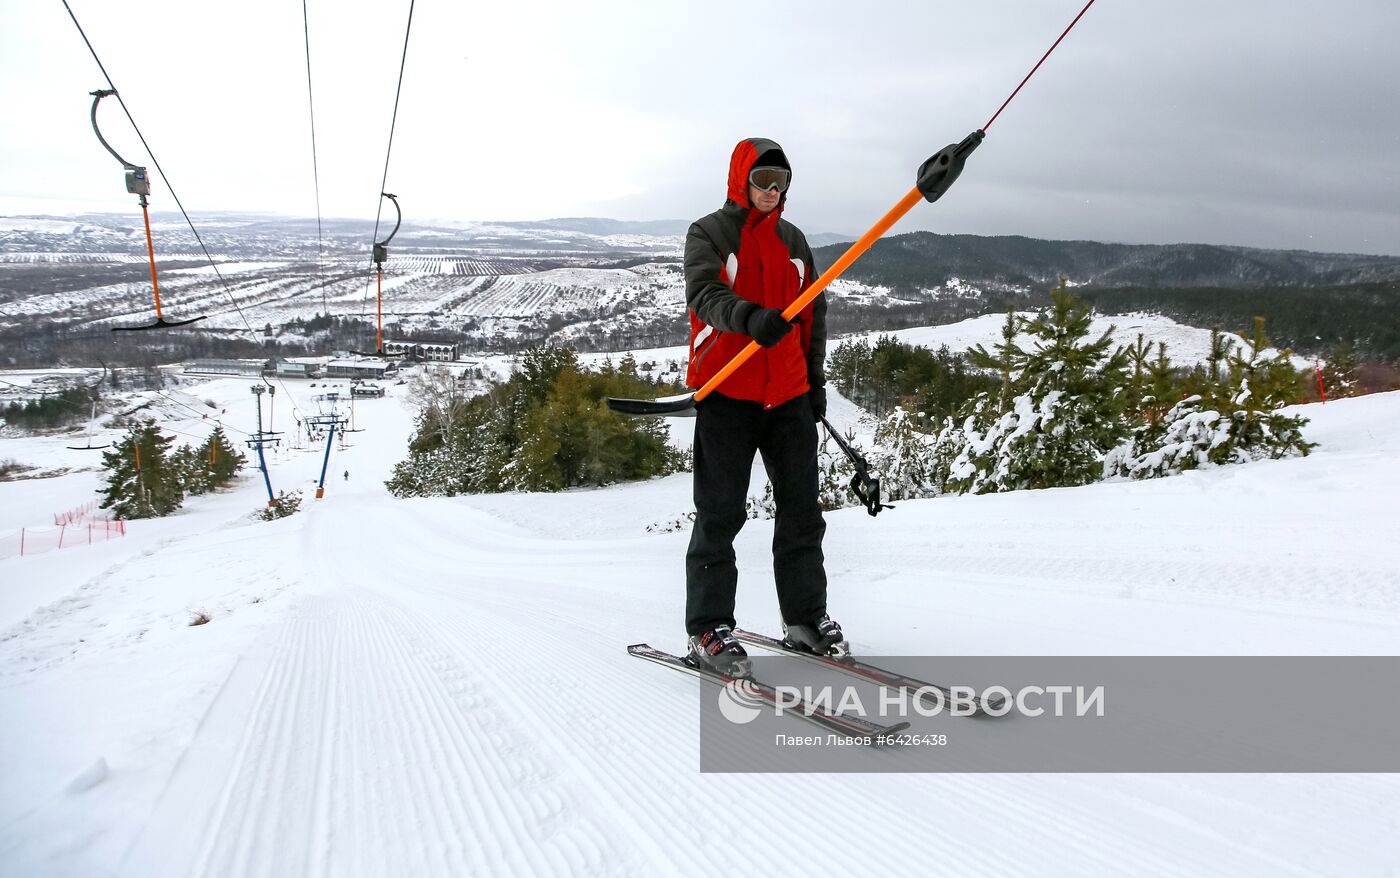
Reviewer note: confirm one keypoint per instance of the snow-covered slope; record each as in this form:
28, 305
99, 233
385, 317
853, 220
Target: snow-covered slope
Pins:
1186, 345
439, 686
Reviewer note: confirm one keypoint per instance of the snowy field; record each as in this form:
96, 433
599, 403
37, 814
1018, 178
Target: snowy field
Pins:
440, 687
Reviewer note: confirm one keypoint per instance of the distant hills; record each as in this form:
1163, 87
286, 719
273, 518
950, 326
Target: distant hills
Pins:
924, 260
674, 227
913, 261
604, 284
594, 225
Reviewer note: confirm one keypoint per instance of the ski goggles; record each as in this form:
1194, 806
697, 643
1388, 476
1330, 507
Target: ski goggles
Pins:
770, 178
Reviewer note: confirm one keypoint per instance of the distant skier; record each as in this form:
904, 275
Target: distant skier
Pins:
744, 264
347, 475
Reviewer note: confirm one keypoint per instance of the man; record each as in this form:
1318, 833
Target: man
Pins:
744, 264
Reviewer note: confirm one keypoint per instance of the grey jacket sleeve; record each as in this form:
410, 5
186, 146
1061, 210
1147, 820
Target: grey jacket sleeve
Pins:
712, 300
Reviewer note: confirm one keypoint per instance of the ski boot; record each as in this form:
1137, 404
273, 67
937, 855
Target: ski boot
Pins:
718, 650
821, 637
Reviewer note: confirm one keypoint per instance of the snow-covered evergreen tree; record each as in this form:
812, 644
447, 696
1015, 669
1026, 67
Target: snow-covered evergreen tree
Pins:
904, 459
1063, 415
945, 448
1339, 372
1184, 438
1006, 358
1233, 417
834, 473
1262, 381
286, 504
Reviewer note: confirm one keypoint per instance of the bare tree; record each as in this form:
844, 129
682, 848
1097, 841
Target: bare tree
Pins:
442, 397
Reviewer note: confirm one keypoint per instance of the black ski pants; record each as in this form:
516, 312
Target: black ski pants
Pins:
727, 433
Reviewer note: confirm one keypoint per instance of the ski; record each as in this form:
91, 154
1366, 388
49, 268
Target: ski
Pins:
852, 726
858, 668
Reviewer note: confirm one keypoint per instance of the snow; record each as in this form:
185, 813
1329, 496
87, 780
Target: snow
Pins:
24, 378
366, 697
35, 224
227, 268
1186, 345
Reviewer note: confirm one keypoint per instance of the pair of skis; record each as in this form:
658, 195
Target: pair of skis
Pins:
924, 690
852, 726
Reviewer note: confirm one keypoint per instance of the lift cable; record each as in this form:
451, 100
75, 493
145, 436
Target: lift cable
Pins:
393, 122
315, 165
173, 195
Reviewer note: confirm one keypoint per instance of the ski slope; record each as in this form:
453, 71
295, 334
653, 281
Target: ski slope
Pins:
439, 686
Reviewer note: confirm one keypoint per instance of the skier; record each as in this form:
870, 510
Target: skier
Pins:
347, 475
743, 265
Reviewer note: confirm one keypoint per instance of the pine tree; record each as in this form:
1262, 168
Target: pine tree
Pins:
834, 472
1339, 372
1008, 359
546, 429
1137, 390
1185, 437
1207, 379
905, 460
947, 447
185, 463
1260, 384
1219, 350
1164, 389
210, 466
886, 361
1154, 391
846, 366
286, 504
1065, 413
1231, 418
143, 481
221, 461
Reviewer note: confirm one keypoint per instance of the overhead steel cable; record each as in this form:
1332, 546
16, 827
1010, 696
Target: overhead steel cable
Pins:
1038, 63
207, 255
44, 394
315, 165
202, 415
170, 429
393, 122
117, 94
934, 178
165, 396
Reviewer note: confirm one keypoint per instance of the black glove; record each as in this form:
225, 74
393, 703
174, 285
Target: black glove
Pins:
817, 397
767, 326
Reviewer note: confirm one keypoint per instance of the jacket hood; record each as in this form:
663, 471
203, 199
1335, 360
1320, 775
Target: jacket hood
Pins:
747, 153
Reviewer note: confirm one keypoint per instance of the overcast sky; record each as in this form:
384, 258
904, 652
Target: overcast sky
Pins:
1251, 122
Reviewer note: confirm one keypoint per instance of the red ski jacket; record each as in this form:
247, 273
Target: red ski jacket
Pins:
738, 260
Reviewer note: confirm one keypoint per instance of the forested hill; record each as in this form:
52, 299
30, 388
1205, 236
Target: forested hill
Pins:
924, 260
